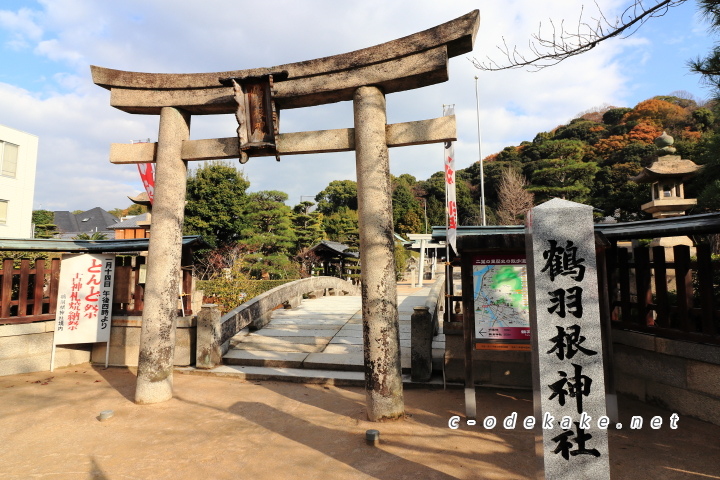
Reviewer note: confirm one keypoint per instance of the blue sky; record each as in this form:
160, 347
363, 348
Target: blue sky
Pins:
46, 48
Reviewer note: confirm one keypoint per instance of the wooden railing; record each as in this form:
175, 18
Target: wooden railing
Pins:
29, 293
676, 299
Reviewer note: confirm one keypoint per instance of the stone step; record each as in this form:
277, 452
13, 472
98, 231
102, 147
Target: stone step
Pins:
343, 358
299, 375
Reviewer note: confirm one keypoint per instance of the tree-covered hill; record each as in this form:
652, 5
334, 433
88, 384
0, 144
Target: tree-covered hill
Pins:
590, 159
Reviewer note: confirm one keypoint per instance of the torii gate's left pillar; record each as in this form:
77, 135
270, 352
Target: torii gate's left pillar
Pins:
157, 340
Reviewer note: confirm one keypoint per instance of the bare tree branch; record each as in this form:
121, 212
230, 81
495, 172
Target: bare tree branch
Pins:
515, 200
561, 44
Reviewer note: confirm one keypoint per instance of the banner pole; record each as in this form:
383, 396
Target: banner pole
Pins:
52, 355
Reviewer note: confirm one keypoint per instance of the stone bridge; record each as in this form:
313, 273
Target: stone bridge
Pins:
317, 339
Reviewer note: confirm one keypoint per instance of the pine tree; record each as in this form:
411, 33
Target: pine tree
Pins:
269, 235
216, 201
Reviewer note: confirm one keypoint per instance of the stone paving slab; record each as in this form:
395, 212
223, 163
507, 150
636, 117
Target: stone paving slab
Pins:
353, 326
313, 321
298, 327
279, 347
344, 349
334, 362
307, 332
338, 340
300, 375
261, 339
337, 311
265, 358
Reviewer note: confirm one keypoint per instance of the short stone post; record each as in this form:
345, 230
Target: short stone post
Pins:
381, 332
566, 334
421, 337
157, 338
208, 350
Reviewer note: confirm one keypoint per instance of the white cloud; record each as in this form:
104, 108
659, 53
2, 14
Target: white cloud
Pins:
54, 50
22, 25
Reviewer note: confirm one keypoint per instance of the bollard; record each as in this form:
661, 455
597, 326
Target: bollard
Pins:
421, 336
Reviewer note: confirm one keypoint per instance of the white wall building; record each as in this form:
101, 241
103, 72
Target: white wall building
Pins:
18, 159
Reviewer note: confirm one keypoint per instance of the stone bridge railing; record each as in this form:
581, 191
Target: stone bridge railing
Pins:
214, 332
424, 325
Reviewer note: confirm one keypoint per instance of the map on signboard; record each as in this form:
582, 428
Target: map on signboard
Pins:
500, 299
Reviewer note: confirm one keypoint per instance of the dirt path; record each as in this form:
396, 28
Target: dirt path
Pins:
217, 428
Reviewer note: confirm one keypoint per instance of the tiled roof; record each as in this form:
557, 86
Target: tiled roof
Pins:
93, 220
131, 222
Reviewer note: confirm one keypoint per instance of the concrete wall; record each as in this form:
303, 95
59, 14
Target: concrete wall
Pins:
125, 342
680, 376
27, 348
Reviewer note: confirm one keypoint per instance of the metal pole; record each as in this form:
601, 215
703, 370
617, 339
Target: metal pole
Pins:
482, 172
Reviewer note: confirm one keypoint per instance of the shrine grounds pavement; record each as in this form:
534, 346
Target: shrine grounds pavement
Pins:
227, 428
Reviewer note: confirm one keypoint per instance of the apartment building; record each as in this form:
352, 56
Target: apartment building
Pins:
18, 159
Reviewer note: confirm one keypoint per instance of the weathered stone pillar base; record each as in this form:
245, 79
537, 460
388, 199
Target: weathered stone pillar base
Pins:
381, 335
157, 340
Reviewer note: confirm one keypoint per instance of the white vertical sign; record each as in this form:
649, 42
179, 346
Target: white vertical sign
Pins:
84, 305
451, 202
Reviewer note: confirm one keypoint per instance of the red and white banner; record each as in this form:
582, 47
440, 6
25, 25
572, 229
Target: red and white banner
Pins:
452, 213
147, 175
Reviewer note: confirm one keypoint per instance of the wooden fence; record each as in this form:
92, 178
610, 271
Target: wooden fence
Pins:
676, 299
29, 293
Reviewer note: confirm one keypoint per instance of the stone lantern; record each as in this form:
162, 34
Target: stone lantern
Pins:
667, 174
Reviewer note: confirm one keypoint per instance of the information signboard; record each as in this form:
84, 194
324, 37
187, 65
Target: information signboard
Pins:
85, 293
500, 302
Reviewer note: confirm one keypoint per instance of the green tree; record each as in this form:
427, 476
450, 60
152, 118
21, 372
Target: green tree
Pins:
709, 65
580, 129
44, 222
407, 211
615, 115
216, 203
117, 212
90, 236
269, 236
704, 118
308, 226
341, 226
136, 209
337, 195
562, 172
709, 197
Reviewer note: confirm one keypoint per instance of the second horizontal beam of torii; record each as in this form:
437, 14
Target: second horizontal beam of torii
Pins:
435, 130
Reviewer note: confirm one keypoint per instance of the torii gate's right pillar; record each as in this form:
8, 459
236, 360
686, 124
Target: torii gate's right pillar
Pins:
381, 332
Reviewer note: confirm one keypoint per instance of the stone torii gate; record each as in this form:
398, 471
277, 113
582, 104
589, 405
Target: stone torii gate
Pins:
256, 97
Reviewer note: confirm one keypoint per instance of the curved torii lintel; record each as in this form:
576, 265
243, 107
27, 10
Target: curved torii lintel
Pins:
406, 63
